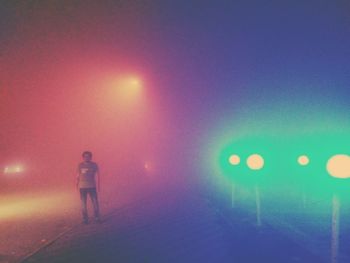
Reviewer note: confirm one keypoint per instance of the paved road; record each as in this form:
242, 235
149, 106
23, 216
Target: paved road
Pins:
179, 226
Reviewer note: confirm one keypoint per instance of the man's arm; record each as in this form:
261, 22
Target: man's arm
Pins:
98, 180
77, 183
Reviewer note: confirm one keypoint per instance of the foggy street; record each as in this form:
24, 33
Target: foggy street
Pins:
178, 222
181, 226
174, 131
30, 220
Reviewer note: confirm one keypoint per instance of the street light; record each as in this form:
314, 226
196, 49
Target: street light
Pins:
128, 88
339, 166
234, 159
303, 160
255, 162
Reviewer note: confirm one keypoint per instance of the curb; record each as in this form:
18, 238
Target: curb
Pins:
108, 215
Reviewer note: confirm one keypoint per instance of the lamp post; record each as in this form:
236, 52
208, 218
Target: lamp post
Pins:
256, 162
234, 160
338, 167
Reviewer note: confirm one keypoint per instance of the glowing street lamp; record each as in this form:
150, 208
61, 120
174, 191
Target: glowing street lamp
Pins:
303, 160
338, 166
128, 88
255, 162
122, 93
234, 159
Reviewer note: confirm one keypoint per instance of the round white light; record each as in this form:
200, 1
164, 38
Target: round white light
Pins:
255, 162
303, 160
339, 166
234, 159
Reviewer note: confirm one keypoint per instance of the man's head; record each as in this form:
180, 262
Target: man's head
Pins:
87, 156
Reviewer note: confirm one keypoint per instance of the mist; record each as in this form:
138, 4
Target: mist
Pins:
76, 79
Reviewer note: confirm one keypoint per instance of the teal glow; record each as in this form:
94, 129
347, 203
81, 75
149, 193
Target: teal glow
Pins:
280, 130
281, 153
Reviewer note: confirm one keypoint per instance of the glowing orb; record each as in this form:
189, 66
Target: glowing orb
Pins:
303, 160
133, 82
339, 166
255, 162
234, 159
125, 91
130, 85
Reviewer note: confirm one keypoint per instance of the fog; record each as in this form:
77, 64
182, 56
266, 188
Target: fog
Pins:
172, 95
153, 88
76, 79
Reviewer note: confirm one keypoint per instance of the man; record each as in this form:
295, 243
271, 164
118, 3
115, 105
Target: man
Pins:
88, 179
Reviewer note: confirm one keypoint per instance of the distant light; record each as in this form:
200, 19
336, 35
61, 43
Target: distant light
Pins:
234, 159
134, 82
12, 169
303, 160
255, 162
127, 90
339, 166
33, 205
130, 84
149, 167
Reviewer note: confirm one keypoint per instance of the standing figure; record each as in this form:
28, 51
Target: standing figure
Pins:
88, 182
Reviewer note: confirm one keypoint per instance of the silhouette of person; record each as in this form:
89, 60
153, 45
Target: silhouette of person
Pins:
88, 183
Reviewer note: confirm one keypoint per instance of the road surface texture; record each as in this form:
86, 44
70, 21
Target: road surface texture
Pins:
174, 226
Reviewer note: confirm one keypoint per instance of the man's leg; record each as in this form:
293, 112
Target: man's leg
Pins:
83, 198
94, 200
